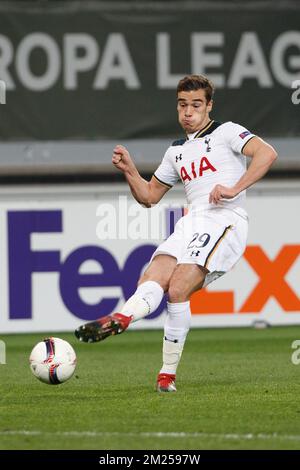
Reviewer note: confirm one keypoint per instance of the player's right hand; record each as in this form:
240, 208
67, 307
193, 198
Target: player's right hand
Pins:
121, 158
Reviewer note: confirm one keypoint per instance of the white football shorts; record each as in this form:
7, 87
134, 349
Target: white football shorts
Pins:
214, 238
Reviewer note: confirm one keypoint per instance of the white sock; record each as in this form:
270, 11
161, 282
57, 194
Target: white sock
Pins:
144, 301
176, 329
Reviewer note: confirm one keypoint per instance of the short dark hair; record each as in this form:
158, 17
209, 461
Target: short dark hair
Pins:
197, 82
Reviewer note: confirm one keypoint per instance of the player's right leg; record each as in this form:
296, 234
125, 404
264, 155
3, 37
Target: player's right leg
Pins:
186, 279
151, 287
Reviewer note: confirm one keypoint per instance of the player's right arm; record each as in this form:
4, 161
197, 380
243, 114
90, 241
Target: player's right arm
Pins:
145, 192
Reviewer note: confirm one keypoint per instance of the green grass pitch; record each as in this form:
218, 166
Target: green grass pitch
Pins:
237, 389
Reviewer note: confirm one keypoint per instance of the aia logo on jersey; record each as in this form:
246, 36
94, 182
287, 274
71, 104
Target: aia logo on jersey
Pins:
196, 170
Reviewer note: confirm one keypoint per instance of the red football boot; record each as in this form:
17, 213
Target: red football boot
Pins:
166, 383
100, 329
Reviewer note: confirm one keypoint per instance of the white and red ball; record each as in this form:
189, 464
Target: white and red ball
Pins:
53, 361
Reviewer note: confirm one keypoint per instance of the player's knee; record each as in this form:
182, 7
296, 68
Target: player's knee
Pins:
177, 293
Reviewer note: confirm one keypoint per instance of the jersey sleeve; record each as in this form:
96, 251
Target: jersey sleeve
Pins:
236, 136
166, 173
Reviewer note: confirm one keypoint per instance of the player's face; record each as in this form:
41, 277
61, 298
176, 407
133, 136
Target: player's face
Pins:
193, 110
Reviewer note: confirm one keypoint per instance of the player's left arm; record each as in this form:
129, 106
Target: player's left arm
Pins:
262, 156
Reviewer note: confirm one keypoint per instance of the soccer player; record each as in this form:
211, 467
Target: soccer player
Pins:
208, 241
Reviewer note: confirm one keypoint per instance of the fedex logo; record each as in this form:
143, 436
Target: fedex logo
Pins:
23, 261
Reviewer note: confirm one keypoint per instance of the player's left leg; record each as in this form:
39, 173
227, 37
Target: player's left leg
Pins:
186, 279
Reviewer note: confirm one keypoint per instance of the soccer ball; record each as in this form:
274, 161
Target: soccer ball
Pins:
53, 361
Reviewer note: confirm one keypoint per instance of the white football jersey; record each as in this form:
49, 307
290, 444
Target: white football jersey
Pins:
212, 156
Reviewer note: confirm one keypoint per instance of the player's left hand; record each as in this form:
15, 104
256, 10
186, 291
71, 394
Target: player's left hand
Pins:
221, 192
